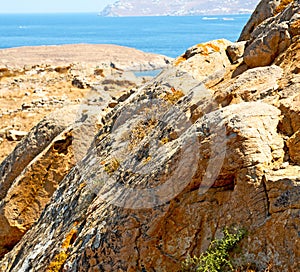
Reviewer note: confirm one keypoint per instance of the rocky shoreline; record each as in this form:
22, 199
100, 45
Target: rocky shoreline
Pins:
138, 174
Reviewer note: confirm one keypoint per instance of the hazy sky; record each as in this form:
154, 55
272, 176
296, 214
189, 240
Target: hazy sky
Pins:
27, 6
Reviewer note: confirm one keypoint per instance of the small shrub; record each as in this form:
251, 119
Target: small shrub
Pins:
216, 257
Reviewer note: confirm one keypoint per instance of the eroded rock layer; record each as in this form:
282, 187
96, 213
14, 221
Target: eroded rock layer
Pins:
211, 142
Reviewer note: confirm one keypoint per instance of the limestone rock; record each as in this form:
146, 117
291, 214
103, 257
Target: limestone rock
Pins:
32, 190
283, 189
161, 169
207, 61
271, 38
15, 135
36, 141
264, 10
254, 84
235, 51
290, 108
293, 144
107, 227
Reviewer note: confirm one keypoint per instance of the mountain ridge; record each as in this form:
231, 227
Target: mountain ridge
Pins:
177, 8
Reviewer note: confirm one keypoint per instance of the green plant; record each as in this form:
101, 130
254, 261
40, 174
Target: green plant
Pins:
216, 257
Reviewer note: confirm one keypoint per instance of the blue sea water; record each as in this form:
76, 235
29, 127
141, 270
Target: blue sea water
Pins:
166, 35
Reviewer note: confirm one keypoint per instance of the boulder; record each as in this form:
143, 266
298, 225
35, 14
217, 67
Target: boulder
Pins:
264, 10
271, 38
235, 51
36, 141
233, 137
32, 190
207, 61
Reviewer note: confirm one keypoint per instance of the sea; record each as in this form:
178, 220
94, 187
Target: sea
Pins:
167, 35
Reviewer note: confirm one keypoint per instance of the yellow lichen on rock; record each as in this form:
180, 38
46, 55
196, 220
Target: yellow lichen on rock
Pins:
179, 60
71, 236
208, 48
173, 96
57, 262
283, 4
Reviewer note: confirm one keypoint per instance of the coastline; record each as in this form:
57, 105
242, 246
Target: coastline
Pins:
101, 55
36, 80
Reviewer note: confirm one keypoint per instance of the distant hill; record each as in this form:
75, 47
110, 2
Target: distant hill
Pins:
178, 7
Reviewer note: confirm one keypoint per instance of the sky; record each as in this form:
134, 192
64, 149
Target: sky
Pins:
34, 6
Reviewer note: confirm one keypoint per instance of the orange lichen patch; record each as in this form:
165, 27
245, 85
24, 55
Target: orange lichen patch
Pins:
146, 160
295, 28
283, 4
208, 48
82, 185
103, 162
214, 47
165, 140
179, 60
70, 238
221, 41
296, 24
174, 96
57, 263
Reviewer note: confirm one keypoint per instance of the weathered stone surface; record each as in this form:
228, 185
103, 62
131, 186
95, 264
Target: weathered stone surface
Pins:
290, 108
271, 38
32, 190
244, 133
172, 163
15, 135
254, 84
36, 141
264, 10
235, 51
283, 189
293, 144
40, 89
207, 61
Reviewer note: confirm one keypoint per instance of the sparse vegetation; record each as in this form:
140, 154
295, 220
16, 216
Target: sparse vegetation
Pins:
216, 258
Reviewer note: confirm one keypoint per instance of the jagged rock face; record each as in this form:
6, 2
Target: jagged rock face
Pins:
272, 36
189, 153
47, 153
264, 10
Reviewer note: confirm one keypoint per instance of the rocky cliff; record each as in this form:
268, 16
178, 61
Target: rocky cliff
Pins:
210, 143
177, 7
